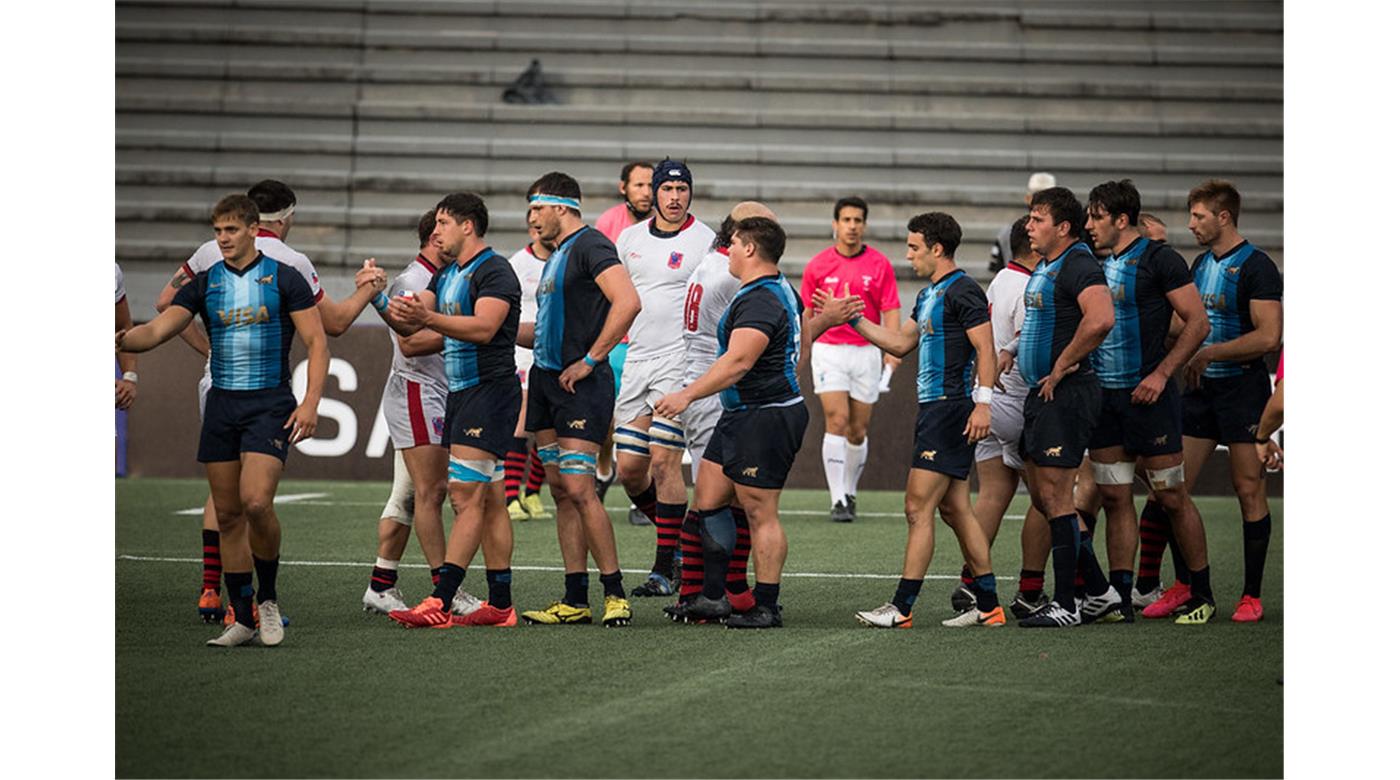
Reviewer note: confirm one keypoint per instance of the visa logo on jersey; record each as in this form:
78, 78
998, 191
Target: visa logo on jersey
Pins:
232, 318
675, 260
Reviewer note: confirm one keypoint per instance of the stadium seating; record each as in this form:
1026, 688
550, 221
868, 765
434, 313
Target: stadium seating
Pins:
373, 109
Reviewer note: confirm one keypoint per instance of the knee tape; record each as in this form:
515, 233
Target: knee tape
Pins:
667, 433
1165, 479
549, 454
718, 532
632, 440
578, 462
1114, 473
400, 504
484, 470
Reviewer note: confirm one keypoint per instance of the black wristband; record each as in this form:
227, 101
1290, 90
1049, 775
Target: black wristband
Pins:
1264, 440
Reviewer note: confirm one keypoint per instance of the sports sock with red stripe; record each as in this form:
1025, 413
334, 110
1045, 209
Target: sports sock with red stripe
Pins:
646, 501
1153, 526
736, 582
668, 534
515, 468
535, 478
692, 556
213, 565
384, 575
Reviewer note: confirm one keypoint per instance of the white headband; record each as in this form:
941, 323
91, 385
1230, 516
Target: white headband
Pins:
278, 216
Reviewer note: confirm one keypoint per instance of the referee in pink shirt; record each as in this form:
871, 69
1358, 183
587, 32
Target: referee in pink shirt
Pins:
846, 369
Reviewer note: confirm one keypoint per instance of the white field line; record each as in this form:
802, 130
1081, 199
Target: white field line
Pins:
517, 567
290, 498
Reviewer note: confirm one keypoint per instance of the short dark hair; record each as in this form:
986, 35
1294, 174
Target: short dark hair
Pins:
466, 207
938, 228
560, 184
240, 207
272, 196
1117, 197
851, 202
632, 166
765, 234
1063, 207
725, 234
426, 225
1020, 239
1217, 195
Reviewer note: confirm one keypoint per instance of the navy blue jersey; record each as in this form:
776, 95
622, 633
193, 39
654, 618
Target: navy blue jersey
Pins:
1227, 286
1139, 280
248, 315
572, 308
457, 287
1052, 309
767, 304
945, 311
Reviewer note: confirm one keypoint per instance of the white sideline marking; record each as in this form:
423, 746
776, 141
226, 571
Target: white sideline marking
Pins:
287, 499
367, 564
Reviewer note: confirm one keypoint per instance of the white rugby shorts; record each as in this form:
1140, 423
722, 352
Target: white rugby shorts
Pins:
644, 382
699, 420
847, 368
1008, 417
414, 411
205, 382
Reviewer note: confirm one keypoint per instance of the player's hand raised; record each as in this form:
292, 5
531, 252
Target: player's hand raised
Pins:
1150, 389
979, 423
574, 374
372, 275
302, 422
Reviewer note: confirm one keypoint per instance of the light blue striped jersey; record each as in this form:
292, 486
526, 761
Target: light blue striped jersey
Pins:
1052, 310
945, 311
767, 304
1138, 281
457, 288
1227, 286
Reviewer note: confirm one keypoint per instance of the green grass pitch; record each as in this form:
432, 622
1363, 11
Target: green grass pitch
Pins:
351, 694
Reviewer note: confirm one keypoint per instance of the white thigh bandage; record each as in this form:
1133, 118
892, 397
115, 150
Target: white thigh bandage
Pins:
1114, 473
578, 462
1165, 479
483, 470
633, 441
667, 433
400, 505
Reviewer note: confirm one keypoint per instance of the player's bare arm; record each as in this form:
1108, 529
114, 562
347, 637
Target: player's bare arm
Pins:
302, 421
1266, 337
478, 328
1270, 454
889, 318
193, 334
746, 345
1187, 309
1096, 305
163, 328
338, 316
525, 335
616, 286
979, 423
424, 342
125, 389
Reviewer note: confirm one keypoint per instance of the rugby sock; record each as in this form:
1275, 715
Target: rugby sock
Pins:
668, 535
1200, 585
1064, 556
450, 578
240, 595
1032, 582
646, 501
498, 585
905, 594
576, 589
855, 463
1153, 526
612, 584
765, 594
718, 538
1122, 581
1091, 520
692, 560
984, 586
267, 578
1182, 571
515, 468
384, 575
1256, 550
435, 574
834, 463
536, 475
1095, 582
736, 582
213, 564
966, 576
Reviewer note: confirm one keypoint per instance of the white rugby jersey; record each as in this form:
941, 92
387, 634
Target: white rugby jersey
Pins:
1006, 297
707, 295
121, 288
660, 266
528, 268
426, 369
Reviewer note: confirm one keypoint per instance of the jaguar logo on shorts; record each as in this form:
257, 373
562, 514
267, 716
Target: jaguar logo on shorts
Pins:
1253, 429
438, 425
578, 425
1054, 452
675, 260
751, 471
928, 454
475, 433
1160, 440
277, 443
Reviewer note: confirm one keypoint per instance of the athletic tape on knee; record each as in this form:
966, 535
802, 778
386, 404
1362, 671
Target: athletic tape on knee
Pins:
632, 440
483, 470
1165, 479
719, 531
578, 462
667, 433
1113, 473
400, 504
549, 454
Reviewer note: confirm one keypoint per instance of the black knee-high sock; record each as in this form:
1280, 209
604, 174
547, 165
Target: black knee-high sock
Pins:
1122, 581
612, 584
1256, 551
905, 594
984, 587
450, 578
1064, 555
1095, 583
498, 586
1179, 567
267, 578
1200, 585
576, 588
718, 534
240, 595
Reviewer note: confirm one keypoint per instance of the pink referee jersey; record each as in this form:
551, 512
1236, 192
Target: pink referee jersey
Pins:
612, 222
869, 275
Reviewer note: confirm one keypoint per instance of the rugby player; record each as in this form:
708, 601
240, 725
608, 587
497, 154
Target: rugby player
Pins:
659, 255
948, 324
473, 302
761, 340
1068, 314
250, 304
527, 263
1001, 248
1227, 382
846, 368
126, 362
586, 303
1152, 227
1269, 451
1140, 423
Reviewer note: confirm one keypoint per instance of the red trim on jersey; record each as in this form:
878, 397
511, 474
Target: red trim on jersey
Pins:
186, 268
119, 300
1018, 267
319, 295
724, 250
420, 258
415, 415
689, 220
531, 249
265, 233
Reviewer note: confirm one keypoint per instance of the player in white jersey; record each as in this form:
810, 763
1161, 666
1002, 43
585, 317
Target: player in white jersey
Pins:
660, 255
126, 361
276, 204
414, 407
523, 503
